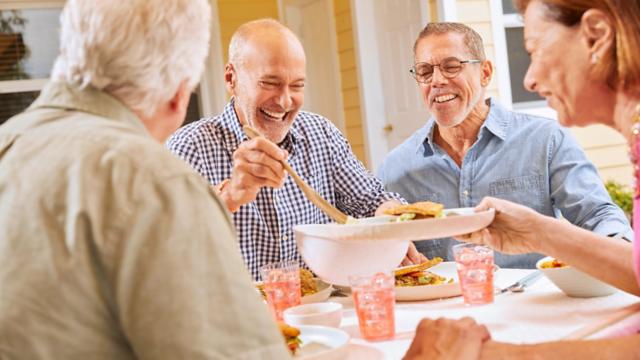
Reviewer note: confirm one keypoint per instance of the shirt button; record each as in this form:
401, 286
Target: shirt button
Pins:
284, 237
465, 193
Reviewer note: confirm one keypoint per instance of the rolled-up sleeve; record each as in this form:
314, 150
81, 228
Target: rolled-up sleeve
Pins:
578, 192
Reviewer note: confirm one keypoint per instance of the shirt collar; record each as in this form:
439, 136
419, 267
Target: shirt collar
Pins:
497, 123
234, 134
87, 99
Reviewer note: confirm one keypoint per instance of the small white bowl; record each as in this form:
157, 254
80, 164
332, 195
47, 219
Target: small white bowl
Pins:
323, 314
574, 282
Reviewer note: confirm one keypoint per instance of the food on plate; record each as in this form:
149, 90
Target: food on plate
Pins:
418, 267
290, 335
308, 285
555, 263
417, 275
406, 217
420, 278
418, 210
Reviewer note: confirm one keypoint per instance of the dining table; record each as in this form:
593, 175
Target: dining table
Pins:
540, 313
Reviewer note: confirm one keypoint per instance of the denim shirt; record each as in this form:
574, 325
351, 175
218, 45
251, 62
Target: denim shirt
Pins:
522, 158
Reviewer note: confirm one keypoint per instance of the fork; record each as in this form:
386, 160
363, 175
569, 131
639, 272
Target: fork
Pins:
522, 283
322, 204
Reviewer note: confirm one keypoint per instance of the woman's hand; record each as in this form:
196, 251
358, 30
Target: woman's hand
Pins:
448, 339
516, 229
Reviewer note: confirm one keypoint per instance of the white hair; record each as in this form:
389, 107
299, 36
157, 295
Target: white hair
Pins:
139, 51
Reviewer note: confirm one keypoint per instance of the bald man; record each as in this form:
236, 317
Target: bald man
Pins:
266, 77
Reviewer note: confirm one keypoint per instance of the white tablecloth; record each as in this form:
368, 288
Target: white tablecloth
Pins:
541, 313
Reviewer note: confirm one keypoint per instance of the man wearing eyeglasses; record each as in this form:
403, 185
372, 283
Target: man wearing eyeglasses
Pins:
473, 147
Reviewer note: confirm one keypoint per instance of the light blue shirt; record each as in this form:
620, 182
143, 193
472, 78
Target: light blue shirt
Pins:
522, 158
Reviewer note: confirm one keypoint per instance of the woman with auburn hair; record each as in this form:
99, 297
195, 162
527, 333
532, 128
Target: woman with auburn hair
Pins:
582, 63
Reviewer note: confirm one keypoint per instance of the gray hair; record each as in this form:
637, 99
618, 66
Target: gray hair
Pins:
139, 51
472, 39
251, 29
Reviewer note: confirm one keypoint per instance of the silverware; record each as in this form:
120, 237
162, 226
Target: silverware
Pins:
337, 215
521, 284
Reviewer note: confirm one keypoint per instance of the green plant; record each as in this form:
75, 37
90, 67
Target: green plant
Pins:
622, 195
13, 50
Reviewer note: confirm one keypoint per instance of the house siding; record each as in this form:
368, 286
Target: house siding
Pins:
354, 130
233, 13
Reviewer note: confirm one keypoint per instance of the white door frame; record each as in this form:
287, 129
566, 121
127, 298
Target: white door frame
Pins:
372, 104
213, 94
447, 10
338, 119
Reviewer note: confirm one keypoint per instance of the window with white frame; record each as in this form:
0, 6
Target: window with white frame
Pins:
517, 59
29, 45
28, 48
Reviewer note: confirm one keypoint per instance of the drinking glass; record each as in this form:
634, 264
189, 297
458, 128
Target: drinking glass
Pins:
281, 283
374, 297
475, 270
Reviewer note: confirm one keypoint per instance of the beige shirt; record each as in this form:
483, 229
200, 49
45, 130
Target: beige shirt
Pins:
112, 248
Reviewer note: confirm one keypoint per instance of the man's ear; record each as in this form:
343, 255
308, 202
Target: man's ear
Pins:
487, 73
180, 99
230, 78
597, 30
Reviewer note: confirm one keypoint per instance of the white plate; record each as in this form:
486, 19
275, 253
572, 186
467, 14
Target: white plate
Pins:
324, 292
445, 269
321, 342
456, 222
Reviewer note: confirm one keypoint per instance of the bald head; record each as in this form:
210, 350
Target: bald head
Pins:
263, 33
266, 76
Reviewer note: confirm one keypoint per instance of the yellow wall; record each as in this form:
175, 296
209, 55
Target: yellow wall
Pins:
233, 13
349, 77
607, 149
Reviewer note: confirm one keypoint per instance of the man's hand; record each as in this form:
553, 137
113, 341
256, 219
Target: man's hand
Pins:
516, 229
413, 256
448, 339
256, 163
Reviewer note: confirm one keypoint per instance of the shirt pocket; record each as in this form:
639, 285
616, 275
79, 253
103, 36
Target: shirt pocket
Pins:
526, 190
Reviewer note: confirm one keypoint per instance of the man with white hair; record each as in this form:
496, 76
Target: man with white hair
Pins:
266, 76
110, 247
473, 147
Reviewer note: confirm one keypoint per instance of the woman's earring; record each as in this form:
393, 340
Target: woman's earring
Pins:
594, 58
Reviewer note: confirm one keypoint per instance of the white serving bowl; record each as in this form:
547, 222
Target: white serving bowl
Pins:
323, 314
334, 252
335, 260
574, 282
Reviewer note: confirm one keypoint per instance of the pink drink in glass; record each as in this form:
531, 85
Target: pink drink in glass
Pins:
475, 270
374, 298
281, 285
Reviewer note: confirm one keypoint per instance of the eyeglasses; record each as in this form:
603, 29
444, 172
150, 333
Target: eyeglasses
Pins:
449, 68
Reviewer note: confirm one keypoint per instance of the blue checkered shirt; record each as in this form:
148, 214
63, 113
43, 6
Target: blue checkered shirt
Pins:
319, 154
